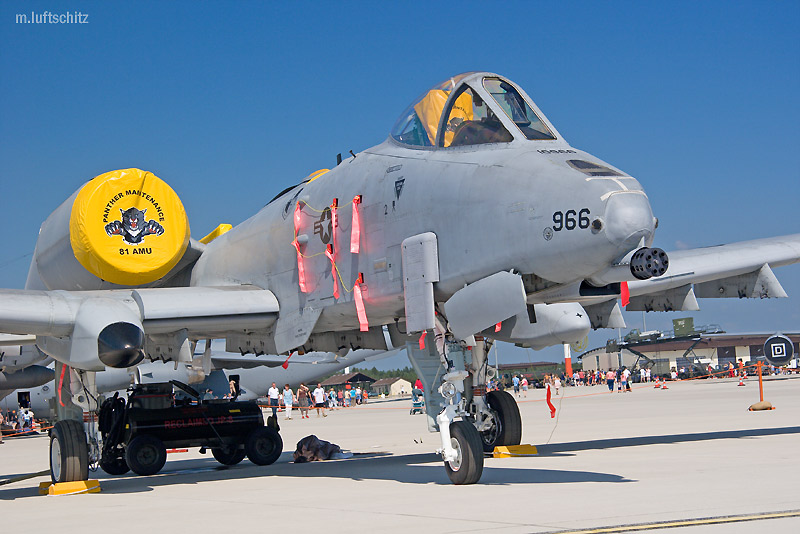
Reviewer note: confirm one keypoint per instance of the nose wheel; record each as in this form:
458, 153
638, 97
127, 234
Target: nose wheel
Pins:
467, 465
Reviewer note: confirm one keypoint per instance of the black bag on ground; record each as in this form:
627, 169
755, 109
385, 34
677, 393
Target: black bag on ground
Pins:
313, 449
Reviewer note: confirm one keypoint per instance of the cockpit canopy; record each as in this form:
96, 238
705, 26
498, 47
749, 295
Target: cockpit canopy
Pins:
471, 109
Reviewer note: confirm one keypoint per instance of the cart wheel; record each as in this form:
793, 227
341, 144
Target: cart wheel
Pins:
146, 455
69, 454
507, 423
228, 456
467, 468
264, 445
114, 466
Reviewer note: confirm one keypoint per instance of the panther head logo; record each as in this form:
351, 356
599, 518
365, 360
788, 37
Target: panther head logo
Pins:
133, 227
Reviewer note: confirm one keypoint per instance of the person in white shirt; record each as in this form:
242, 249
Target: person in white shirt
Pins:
319, 400
647, 375
626, 375
274, 394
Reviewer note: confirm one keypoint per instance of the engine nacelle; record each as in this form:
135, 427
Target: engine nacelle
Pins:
30, 377
107, 333
123, 228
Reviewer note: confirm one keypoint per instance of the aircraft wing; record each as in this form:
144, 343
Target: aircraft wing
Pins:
11, 340
742, 270
69, 324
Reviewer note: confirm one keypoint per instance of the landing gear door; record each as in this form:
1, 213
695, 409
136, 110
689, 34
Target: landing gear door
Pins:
420, 270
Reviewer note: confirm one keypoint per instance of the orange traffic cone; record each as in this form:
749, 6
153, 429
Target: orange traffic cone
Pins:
664, 384
741, 381
658, 383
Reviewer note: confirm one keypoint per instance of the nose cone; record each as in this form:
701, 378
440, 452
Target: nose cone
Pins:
629, 218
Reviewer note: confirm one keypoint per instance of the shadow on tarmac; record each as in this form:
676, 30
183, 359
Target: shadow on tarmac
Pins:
556, 448
409, 469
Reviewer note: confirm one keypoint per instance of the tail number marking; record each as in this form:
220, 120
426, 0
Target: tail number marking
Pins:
571, 219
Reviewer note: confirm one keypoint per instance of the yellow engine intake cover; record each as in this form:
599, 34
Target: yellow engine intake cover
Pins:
128, 227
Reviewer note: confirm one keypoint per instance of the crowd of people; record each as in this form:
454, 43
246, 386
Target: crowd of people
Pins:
616, 379
14, 421
319, 399
620, 379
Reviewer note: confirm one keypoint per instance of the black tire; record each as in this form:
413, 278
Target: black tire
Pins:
69, 454
507, 429
228, 456
114, 466
264, 445
468, 467
146, 455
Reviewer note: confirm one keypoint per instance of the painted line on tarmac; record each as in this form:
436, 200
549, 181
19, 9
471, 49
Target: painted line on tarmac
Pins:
683, 523
20, 478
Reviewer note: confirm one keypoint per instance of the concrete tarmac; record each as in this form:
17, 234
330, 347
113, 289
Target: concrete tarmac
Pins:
609, 459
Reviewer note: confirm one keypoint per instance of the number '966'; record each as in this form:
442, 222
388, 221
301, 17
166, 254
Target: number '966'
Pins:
571, 219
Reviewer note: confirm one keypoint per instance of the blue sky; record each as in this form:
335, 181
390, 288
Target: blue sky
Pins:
232, 102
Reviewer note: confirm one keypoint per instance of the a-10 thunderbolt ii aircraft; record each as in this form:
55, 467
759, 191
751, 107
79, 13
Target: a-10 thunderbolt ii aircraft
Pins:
474, 221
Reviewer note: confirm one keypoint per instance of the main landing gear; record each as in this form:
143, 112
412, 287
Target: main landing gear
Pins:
470, 420
69, 459
74, 444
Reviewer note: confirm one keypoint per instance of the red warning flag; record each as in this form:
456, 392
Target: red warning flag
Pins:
362, 313
301, 271
624, 294
550, 404
422, 340
355, 233
498, 326
329, 254
285, 364
61, 384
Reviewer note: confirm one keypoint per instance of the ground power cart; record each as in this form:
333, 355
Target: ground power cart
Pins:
137, 433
